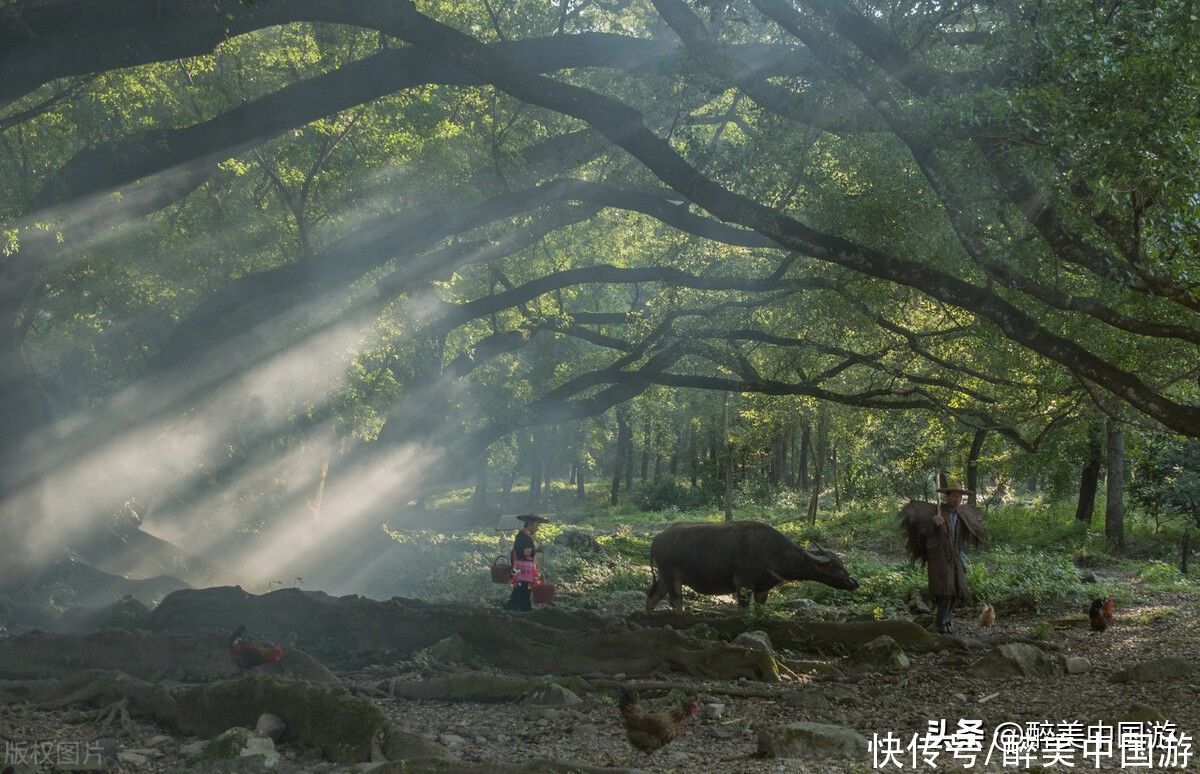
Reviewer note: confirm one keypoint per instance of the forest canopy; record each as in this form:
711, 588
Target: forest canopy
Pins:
277, 258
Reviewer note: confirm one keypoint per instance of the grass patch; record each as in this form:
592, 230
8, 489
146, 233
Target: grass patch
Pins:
1032, 560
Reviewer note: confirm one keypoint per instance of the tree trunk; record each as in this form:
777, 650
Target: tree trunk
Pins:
580, 492
793, 475
973, 465
819, 462
1089, 477
693, 459
1114, 517
805, 452
647, 441
657, 466
728, 459
535, 483
479, 497
837, 496
629, 461
619, 457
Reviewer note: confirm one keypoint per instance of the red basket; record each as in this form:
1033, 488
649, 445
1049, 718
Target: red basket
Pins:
501, 571
543, 594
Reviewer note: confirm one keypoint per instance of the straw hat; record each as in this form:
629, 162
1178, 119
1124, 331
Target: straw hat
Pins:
955, 489
530, 518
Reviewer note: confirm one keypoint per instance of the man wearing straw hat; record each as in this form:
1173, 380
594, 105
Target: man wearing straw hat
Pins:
524, 565
937, 535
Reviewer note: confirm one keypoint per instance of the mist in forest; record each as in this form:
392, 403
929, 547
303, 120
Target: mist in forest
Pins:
228, 456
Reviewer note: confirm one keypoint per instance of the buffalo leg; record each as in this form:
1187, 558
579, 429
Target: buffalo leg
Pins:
677, 595
657, 591
760, 597
742, 588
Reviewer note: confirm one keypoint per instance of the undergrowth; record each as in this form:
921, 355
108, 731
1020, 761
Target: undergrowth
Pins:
1036, 557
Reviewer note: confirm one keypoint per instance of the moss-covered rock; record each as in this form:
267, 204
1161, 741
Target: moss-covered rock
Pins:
322, 716
553, 695
1140, 713
882, 654
1016, 658
811, 740
227, 745
399, 745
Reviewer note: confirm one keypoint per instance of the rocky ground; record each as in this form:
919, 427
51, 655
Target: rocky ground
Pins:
584, 726
935, 686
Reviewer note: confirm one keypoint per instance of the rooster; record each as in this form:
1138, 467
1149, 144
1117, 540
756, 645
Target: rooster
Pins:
247, 653
988, 616
1100, 614
648, 731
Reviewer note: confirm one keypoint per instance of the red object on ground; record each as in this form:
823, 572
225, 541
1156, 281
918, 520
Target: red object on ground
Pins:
501, 571
247, 654
543, 594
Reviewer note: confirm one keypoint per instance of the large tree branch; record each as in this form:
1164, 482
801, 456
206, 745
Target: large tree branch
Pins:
456, 315
873, 361
624, 126
891, 57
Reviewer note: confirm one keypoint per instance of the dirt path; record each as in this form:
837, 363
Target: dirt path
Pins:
1156, 625
934, 688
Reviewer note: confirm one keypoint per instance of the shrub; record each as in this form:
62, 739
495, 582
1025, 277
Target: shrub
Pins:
664, 493
1160, 573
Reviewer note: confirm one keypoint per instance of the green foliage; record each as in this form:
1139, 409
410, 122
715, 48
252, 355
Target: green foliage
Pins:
667, 493
1159, 573
1167, 477
101, 311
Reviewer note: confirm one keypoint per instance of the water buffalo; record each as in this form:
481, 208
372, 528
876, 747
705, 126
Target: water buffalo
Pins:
715, 558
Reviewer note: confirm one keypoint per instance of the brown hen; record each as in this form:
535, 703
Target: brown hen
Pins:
648, 731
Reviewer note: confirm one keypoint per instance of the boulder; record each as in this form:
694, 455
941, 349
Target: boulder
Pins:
1016, 658
193, 748
811, 740
578, 541
553, 695
810, 701
400, 745
261, 746
1077, 665
755, 640
270, 726
880, 654
1140, 713
237, 743
131, 758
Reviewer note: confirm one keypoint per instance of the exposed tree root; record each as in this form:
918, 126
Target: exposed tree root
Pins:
199, 657
115, 714
352, 631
